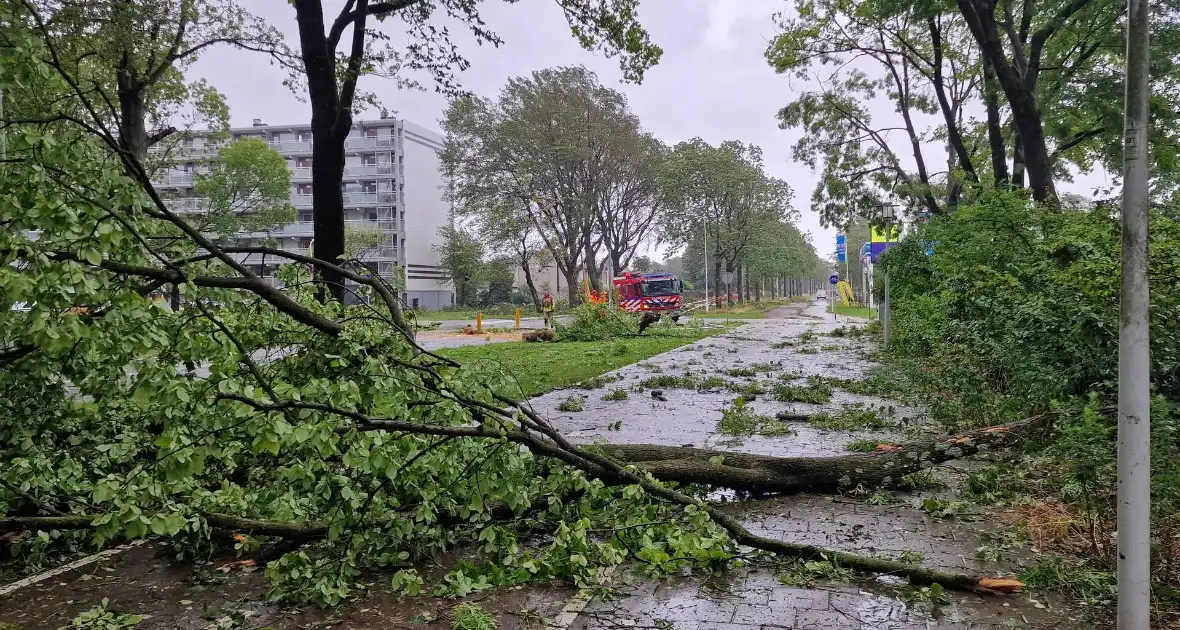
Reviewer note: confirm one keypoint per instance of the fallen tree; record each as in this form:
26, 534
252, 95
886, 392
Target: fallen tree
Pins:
763, 473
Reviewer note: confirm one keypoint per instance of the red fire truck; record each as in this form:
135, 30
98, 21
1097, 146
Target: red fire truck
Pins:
649, 292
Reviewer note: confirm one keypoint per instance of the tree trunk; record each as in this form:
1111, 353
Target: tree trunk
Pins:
954, 136
995, 130
741, 471
330, 124
1017, 159
1026, 118
572, 284
528, 280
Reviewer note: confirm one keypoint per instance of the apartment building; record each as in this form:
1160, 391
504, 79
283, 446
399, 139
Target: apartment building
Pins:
392, 184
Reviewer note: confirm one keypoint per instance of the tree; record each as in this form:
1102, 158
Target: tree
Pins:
629, 203
247, 189
642, 264
461, 258
907, 58
564, 153
126, 60
1023, 64
361, 243
721, 191
331, 77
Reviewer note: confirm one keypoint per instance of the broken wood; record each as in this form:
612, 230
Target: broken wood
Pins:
539, 335
743, 471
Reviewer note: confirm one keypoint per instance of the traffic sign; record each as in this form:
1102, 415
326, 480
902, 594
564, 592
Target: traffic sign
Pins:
726, 277
834, 278
841, 253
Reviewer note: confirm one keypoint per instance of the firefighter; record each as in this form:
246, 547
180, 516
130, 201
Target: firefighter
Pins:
547, 308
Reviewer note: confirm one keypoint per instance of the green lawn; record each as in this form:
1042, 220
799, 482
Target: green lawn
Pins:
855, 311
541, 367
750, 310
492, 312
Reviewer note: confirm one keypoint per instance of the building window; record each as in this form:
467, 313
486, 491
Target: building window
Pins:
305, 216
304, 242
303, 190
188, 142
369, 159
370, 215
189, 167
415, 302
303, 162
370, 133
368, 187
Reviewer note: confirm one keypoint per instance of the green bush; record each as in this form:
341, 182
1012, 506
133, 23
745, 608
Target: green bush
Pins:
597, 322
1016, 313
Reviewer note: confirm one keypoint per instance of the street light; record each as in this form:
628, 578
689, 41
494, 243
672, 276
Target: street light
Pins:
888, 214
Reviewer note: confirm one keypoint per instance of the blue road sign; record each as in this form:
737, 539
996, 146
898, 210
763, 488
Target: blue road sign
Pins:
834, 278
841, 248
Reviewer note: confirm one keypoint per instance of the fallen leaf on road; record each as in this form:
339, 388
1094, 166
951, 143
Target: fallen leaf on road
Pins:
888, 448
236, 564
1002, 585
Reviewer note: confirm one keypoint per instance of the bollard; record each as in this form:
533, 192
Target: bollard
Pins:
518, 318
479, 322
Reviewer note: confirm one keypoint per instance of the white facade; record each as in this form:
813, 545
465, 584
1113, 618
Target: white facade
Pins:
392, 184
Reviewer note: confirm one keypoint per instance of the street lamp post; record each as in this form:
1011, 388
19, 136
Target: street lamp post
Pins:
705, 249
887, 214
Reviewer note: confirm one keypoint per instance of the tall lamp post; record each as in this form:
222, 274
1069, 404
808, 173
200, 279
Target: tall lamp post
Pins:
705, 249
1134, 424
888, 214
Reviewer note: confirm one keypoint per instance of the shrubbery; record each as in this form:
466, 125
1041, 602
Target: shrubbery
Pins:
1017, 312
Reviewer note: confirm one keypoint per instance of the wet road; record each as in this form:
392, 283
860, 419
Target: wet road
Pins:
793, 342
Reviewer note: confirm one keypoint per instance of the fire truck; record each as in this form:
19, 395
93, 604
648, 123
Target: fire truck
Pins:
649, 292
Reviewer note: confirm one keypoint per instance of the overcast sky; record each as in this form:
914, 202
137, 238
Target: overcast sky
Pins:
712, 82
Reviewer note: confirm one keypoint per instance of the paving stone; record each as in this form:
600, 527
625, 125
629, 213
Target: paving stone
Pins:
765, 615
825, 620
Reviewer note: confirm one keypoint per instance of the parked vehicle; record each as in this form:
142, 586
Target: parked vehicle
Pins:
821, 294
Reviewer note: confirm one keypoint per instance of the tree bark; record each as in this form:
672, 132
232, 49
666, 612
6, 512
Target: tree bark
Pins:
995, 129
528, 280
954, 136
980, 18
571, 280
761, 473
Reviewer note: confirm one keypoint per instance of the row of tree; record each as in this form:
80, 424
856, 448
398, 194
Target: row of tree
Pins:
983, 95
558, 170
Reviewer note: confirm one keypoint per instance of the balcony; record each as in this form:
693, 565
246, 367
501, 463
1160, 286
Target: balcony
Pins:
368, 170
300, 228
207, 150
188, 204
174, 180
291, 146
301, 174
301, 201
353, 199
369, 142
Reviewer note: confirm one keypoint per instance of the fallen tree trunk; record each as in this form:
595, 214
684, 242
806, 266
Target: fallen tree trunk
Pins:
742, 471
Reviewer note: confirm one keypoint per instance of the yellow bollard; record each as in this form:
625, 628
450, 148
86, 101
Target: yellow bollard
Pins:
518, 319
479, 322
